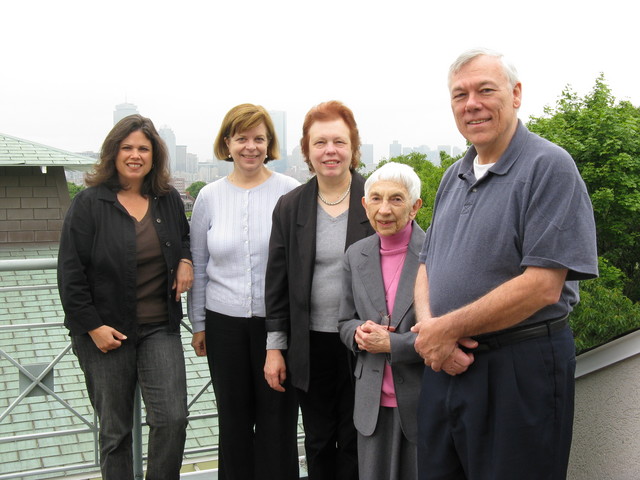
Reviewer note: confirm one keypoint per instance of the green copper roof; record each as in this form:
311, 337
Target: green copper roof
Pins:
18, 152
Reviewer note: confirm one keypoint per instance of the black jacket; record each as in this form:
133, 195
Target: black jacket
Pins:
292, 256
97, 259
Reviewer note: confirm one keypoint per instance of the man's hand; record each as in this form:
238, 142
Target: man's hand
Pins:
459, 361
432, 343
275, 370
440, 351
107, 338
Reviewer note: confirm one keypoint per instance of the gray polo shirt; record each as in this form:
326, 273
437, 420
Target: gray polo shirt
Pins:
531, 209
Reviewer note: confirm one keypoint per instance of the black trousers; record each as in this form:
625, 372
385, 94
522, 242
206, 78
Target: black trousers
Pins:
257, 425
327, 411
509, 416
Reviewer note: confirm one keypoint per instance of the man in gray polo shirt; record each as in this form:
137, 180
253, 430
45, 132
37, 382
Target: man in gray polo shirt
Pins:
511, 235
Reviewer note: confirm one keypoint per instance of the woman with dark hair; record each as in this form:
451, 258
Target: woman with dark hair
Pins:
312, 227
123, 263
230, 223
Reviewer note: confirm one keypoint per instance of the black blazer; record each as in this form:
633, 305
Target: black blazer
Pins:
97, 259
292, 252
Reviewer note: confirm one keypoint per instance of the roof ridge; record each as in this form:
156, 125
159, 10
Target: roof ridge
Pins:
15, 151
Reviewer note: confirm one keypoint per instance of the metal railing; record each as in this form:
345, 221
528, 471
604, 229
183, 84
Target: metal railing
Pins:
17, 405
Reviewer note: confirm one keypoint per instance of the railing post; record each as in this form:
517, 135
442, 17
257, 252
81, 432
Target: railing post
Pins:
138, 468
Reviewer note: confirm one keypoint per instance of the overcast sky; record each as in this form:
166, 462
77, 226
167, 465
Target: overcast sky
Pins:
66, 64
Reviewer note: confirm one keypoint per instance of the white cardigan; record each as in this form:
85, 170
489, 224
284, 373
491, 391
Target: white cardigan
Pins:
230, 230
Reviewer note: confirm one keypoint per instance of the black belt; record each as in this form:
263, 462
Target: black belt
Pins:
493, 341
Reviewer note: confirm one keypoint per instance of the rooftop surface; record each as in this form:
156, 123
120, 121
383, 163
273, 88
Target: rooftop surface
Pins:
43, 343
18, 152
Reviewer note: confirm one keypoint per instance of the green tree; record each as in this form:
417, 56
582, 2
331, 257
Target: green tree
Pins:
195, 187
74, 189
603, 137
604, 312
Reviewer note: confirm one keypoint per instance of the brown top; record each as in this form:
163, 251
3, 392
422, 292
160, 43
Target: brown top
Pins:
151, 288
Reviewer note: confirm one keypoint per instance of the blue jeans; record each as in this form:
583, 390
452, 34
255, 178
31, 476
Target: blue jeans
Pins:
155, 360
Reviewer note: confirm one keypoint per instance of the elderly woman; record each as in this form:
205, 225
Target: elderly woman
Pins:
230, 229
376, 315
312, 227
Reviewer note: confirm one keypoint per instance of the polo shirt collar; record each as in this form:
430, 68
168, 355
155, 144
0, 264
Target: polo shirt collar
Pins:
508, 158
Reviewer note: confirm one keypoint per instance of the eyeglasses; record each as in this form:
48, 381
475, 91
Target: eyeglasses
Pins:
385, 320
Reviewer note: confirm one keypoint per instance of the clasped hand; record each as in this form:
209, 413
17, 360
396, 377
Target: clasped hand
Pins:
373, 338
441, 352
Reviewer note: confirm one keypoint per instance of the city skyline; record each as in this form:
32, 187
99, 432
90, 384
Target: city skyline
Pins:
186, 167
279, 119
288, 156
66, 67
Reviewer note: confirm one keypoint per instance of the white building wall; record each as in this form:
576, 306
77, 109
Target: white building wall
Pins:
606, 432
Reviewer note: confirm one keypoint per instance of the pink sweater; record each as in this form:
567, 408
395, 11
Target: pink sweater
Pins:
393, 251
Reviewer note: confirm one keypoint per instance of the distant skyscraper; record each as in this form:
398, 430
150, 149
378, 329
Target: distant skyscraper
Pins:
124, 110
192, 163
366, 155
181, 158
170, 139
179, 183
280, 124
395, 149
296, 156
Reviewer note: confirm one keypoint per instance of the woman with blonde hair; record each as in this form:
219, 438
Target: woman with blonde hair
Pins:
230, 227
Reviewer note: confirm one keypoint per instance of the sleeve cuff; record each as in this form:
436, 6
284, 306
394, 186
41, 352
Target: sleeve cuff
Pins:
277, 341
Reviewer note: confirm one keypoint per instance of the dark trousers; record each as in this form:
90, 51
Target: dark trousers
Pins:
154, 360
327, 411
257, 425
509, 416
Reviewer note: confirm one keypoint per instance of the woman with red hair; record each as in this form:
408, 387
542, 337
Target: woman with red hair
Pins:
312, 227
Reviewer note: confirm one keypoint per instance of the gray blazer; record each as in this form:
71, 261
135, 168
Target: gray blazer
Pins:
364, 299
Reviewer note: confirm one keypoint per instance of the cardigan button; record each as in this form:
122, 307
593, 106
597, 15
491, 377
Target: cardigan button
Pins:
158, 220
168, 244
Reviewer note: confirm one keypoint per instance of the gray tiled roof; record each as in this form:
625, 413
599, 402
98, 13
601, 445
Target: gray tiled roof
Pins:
18, 152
